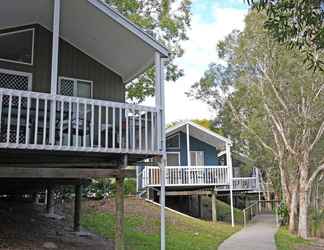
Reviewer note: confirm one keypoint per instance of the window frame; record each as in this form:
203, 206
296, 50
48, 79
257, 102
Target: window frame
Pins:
21, 73
196, 153
75, 84
33, 46
178, 135
177, 153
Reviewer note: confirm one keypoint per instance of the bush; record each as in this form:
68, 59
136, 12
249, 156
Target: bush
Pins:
99, 189
106, 187
283, 213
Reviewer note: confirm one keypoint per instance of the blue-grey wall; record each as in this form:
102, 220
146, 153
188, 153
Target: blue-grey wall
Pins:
210, 152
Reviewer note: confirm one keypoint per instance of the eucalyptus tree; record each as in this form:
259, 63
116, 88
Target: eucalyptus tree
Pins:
277, 101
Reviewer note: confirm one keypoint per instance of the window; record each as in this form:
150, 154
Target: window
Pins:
173, 158
75, 87
173, 142
17, 46
197, 158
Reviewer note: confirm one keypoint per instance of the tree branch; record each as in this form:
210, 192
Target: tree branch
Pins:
265, 145
318, 136
314, 175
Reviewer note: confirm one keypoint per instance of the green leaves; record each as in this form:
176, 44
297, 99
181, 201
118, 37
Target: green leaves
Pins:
296, 24
168, 21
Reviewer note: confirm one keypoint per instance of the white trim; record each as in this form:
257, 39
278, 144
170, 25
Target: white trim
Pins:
20, 73
32, 48
188, 144
220, 137
168, 138
175, 153
75, 84
221, 153
117, 17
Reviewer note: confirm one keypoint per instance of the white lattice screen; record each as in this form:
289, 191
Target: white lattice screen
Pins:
14, 81
66, 87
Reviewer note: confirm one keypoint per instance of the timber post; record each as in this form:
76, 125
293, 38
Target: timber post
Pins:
214, 206
77, 208
50, 200
119, 233
119, 230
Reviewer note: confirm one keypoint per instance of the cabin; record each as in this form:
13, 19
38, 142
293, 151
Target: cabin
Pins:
64, 117
199, 162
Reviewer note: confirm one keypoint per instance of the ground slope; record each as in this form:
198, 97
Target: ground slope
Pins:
143, 225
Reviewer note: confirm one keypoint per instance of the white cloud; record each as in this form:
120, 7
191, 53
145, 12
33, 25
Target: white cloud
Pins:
200, 50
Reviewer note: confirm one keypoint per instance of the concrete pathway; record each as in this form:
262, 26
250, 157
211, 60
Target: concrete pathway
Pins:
258, 235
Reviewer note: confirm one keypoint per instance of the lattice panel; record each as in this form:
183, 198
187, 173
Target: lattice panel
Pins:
13, 136
66, 87
13, 81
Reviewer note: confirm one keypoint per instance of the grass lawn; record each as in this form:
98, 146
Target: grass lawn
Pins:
287, 241
143, 225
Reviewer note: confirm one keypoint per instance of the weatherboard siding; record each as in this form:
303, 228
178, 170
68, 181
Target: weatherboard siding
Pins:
210, 152
73, 63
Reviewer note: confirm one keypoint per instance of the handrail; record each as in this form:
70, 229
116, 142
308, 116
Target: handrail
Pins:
41, 121
258, 207
187, 176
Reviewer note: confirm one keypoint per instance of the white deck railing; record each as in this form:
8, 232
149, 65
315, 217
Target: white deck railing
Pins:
186, 176
245, 183
32, 120
195, 176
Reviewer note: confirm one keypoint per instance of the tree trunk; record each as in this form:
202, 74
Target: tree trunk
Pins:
293, 216
303, 202
119, 234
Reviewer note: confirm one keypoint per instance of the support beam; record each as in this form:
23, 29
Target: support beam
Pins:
230, 174
119, 233
62, 173
50, 201
188, 145
77, 208
214, 206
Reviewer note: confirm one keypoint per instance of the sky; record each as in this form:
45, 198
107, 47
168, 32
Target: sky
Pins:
212, 20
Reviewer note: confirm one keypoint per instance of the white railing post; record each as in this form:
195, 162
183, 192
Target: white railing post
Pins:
160, 105
54, 70
188, 144
230, 169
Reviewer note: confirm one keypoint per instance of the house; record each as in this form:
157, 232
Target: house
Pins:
199, 162
64, 66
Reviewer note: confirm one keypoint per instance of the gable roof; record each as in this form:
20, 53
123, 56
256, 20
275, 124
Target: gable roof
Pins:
200, 133
93, 27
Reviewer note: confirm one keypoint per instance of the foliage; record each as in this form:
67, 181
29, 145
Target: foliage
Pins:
168, 21
99, 188
286, 241
264, 90
298, 24
283, 213
142, 231
209, 124
130, 186
317, 221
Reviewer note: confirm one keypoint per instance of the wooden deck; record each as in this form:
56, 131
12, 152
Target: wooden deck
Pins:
40, 121
184, 177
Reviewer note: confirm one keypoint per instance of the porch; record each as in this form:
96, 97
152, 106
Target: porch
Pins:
41, 121
197, 177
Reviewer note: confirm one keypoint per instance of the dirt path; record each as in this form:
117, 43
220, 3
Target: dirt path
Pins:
259, 235
24, 226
